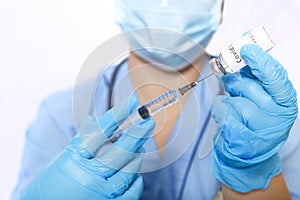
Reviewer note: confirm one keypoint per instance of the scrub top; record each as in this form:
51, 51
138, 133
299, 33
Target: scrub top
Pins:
183, 172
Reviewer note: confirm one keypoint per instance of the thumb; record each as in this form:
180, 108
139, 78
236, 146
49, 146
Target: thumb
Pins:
271, 74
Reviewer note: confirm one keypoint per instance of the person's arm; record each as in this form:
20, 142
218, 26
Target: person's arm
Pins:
276, 190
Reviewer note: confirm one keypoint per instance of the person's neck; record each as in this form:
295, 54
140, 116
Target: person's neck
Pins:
144, 74
149, 82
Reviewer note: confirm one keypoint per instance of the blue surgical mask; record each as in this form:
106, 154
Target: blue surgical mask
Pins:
168, 33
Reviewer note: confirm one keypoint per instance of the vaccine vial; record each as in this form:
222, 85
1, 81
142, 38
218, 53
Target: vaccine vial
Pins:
230, 60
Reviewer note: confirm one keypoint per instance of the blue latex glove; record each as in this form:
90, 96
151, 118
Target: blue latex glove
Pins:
78, 173
254, 122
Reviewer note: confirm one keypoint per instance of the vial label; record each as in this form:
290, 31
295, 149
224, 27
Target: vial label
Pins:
231, 58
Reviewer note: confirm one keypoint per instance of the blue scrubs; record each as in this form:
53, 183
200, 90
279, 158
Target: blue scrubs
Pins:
183, 171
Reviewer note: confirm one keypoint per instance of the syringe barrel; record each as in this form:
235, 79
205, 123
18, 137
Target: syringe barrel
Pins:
151, 108
131, 120
162, 102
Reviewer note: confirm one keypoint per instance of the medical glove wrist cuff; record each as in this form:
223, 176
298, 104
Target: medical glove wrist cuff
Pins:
245, 178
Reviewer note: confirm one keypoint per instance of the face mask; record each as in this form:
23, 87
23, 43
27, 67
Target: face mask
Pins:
170, 34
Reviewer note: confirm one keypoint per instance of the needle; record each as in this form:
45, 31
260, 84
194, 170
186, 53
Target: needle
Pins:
189, 86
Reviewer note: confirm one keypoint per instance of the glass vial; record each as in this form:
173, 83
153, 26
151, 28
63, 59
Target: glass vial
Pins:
230, 60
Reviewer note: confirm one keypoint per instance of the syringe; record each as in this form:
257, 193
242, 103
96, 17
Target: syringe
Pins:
229, 61
153, 107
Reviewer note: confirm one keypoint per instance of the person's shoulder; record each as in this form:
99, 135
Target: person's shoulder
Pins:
59, 99
58, 105
53, 126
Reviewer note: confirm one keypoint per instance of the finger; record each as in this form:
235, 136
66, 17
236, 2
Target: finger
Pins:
218, 110
223, 112
110, 121
238, 141
246, 71
122, 151
135, 165
241, 146
272, 75
77, 147
135, 190
94, 133
134, 138
241, 85
230, 147
225, 109
119, 182
90, 137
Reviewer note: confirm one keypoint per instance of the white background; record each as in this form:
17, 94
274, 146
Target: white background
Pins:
44, 43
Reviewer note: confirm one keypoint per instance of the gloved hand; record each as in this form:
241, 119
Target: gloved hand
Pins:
78, 173
254, 122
